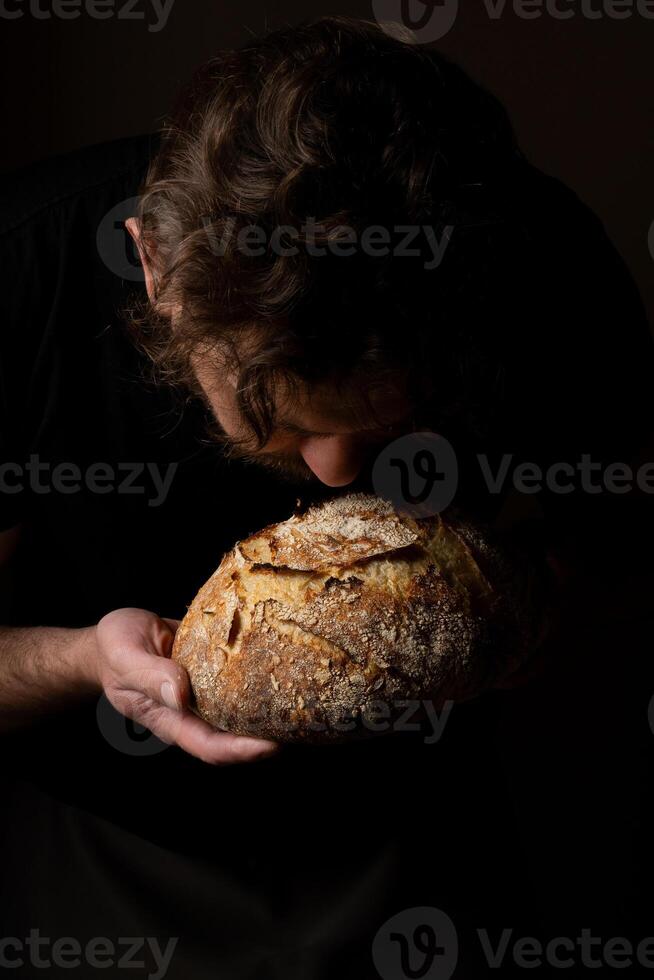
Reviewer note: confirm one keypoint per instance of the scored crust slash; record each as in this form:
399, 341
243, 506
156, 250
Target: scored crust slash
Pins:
309, 627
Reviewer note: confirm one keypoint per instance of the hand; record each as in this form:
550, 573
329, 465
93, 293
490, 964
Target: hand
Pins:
132, 665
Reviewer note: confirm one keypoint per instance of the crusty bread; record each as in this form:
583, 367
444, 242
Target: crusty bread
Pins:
335, 618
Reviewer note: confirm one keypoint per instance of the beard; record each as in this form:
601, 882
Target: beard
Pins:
287, 469
292, 470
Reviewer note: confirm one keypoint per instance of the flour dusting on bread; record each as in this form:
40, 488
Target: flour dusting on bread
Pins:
308, 626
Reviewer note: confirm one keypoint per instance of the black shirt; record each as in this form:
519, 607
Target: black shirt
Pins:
518, 817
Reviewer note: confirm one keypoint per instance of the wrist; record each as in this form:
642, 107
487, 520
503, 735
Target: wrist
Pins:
84, 661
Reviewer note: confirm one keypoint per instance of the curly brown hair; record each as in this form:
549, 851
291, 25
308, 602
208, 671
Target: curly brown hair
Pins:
338, 123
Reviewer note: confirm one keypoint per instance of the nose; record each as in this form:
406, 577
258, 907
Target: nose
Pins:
336, 460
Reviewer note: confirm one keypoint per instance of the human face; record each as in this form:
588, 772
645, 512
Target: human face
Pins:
320, 434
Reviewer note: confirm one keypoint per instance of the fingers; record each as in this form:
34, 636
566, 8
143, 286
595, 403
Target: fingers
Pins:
161, 680
125, 631
172, 623
136, 648
216, 748
143, 683
193, 735
158, 639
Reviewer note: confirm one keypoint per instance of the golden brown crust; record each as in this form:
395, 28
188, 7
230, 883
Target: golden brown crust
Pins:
340, 532
307, 627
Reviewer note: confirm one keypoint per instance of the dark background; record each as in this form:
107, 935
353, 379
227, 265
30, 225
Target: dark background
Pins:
574, 753
579, 90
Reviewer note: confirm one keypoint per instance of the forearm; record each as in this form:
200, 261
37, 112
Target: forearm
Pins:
44, 669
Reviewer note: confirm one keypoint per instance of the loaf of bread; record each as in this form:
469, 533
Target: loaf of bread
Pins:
316, 628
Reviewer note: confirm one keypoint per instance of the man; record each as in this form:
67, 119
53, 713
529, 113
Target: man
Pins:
295, 339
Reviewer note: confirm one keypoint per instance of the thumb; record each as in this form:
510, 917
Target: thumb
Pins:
162, 681
152, 672
159, 636
168, 683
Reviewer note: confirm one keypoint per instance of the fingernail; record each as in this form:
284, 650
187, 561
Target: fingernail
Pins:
169, 696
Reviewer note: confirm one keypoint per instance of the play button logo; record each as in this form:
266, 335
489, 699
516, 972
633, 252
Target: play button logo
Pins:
421, 21
416, 944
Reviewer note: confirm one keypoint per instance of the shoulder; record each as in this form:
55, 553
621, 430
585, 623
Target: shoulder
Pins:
63, 246
65, 271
